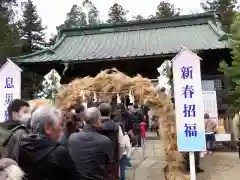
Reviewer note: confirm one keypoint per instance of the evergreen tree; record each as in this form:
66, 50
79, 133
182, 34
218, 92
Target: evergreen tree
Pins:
7, 9
138, 17
31, 29
75, 18
9, 40
166, 9
31, 83
232, 70
93, 13
117, 14
9, 36
224, 7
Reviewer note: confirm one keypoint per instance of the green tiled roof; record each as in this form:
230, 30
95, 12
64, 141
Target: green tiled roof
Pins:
133, 40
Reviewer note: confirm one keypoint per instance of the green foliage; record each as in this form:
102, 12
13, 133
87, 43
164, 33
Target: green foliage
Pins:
232, 70
75, 18
93, 13
224, 7
31, 29
138, 17
7, 9
166, 9
31, 83
9, 40
9, 36
117, 14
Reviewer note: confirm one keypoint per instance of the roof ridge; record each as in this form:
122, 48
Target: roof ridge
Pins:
131, 30
217, 30
141, 22
50, 49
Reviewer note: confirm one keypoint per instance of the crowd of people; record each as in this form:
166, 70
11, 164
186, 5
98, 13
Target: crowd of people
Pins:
92, 143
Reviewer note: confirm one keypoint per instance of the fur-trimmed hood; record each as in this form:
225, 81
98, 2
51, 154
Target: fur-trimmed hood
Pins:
9, 170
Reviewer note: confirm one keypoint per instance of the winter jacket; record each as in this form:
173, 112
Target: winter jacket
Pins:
114, 132
43, 159
92, 153
10, 133
137, 118
143, 129
124, 119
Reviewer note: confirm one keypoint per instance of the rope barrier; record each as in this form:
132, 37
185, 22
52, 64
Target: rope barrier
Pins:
96, 92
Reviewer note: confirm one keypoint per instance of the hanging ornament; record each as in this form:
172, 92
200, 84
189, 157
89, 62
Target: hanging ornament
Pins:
73, 111
85, 105
94, 97
118, 99
131, 98
84, 96
100, 98
81, 93
51, 85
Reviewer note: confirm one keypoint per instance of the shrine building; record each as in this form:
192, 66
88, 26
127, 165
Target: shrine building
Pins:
136, 47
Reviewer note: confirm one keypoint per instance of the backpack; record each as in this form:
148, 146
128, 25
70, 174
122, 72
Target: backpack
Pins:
5, 136
137, 119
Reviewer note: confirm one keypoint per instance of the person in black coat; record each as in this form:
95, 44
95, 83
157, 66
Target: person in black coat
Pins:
137, 118
115, 133
123, 118
91, 151
39, 155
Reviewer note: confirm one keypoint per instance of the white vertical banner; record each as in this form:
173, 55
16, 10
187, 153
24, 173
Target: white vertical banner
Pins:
10, 87
188, 102
210, 105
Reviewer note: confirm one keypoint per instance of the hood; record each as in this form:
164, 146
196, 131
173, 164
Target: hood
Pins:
125, 113
10, 124
10, 170
33, 148
118, 117
105, 119
134, 110
5, 130
108, 125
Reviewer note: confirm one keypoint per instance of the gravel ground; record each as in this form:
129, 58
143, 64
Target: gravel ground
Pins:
148, 164
220, 166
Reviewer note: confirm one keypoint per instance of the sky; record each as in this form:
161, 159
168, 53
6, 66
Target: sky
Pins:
53, 12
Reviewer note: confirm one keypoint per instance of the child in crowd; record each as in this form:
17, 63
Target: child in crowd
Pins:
143, 130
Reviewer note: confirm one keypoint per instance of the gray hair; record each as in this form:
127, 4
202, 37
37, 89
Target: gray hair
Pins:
92, 114
43, 115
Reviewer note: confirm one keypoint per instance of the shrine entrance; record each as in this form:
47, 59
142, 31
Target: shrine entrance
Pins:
111, 82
